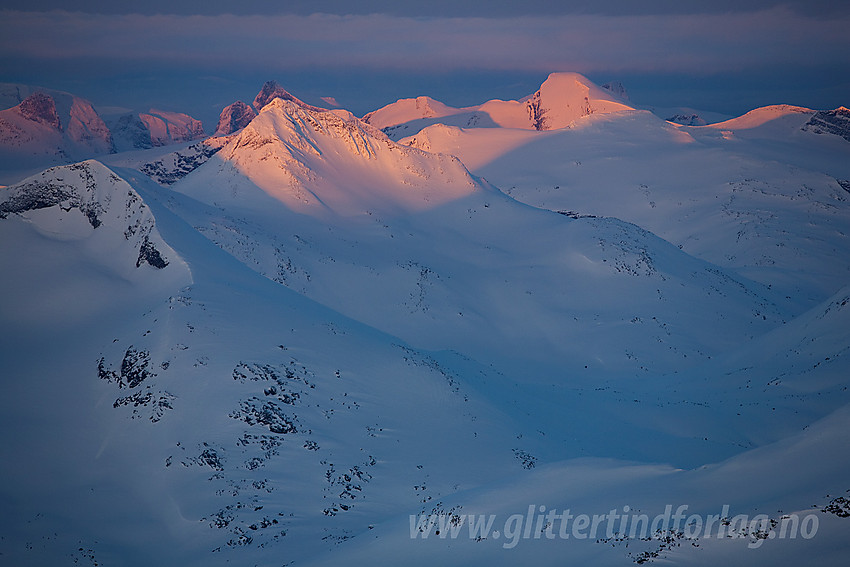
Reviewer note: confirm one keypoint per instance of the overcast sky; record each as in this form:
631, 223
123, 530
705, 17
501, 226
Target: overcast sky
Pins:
727, 56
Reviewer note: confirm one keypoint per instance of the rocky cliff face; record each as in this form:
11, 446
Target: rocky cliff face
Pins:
41, 108
830, 122
173, 167
233, 118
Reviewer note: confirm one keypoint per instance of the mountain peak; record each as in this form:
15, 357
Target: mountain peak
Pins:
40, 107
271, 90
320, 161
566, 97
562, 99
300, 120
234, 117
49, 126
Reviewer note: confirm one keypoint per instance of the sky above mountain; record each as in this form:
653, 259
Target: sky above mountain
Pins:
728, 57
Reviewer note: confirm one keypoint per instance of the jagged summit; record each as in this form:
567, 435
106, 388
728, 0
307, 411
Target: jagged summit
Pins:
271, 90
328, 160
236, 116
233, 118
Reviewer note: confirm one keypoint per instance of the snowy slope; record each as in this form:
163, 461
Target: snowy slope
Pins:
222, 417
720, 194
229, 419
742, 511
408, 109
472, 270
763, 115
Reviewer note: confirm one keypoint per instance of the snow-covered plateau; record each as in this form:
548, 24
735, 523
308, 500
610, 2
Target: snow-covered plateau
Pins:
553, 331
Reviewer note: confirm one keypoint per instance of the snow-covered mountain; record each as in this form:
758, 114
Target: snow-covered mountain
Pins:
171, 127
271, 91
46, 126
306, 343
40, 127
764, 115
561, 100
287, 164
325, 161
155, 128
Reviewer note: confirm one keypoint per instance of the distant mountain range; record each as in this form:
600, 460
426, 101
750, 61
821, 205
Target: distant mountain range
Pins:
42, 126
57, 127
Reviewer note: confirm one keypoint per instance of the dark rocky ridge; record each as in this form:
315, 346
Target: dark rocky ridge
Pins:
40, 107
830, 122
271, 90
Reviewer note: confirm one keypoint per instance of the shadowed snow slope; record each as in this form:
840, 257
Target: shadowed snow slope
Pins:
230, 419
447, 263
769, 200
86, 232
